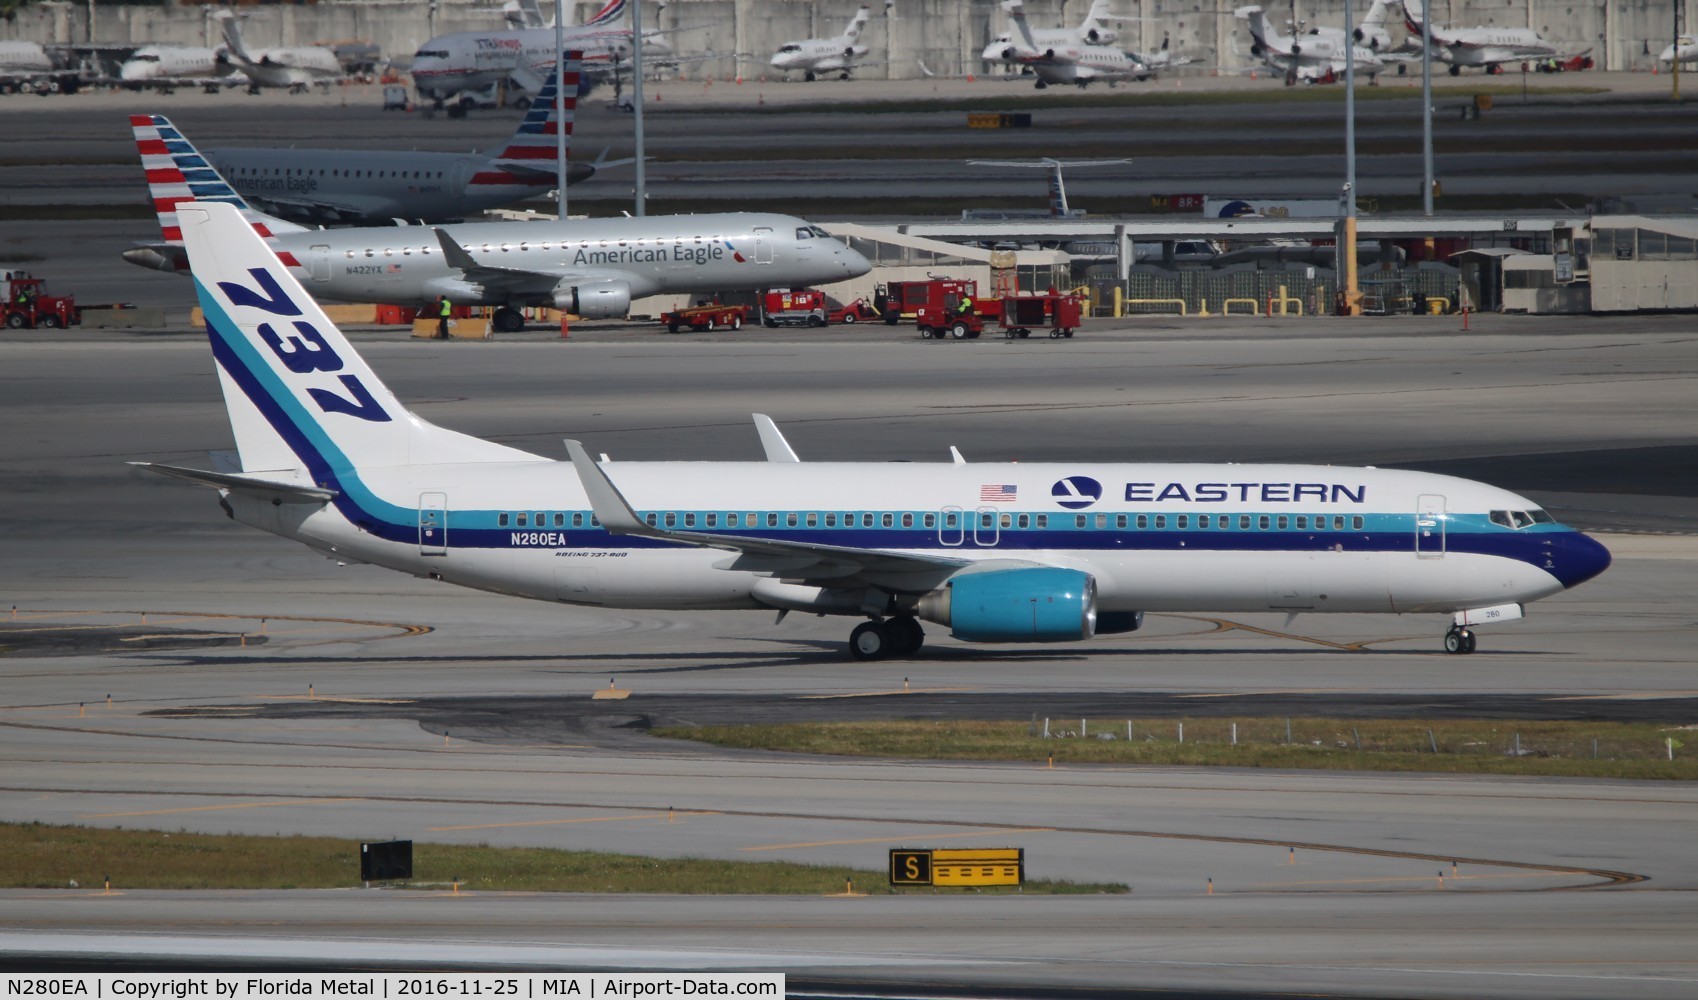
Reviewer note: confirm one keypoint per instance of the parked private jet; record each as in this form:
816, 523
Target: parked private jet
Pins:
592, 268
296, 67
1484, 48
1313, 58
1073, 63
826, 55
1002, 553
166, 67
1093, 30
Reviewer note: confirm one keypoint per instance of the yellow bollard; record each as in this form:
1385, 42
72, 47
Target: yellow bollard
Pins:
108, 890
310, 692
1211, 889
1052, 761
848, 887
1203, 309
669, 814
456, 885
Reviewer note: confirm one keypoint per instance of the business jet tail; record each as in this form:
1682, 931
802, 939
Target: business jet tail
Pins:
177, 173
304, 406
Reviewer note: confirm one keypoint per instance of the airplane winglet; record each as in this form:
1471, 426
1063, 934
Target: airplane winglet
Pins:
610, 506
772, 440
955, 455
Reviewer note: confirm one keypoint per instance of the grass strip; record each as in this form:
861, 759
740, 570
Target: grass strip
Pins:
45, 856
1468, 746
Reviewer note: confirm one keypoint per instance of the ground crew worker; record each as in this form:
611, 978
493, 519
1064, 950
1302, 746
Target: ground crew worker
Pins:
966, 305
444, 311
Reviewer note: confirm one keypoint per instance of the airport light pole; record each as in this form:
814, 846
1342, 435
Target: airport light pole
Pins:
1426, 112
637, 101
1347, 254
560, 110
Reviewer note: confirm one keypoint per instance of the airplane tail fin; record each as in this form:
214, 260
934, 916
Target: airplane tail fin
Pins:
853, 32
177, 173
300, 399
228, 23
528, 157
1057, 193
608, 14
1017, 17
1377, 14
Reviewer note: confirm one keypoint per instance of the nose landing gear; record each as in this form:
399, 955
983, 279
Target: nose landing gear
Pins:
1459, 640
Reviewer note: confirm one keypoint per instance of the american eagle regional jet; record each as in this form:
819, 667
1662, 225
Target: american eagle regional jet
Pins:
593, 268
1029, 552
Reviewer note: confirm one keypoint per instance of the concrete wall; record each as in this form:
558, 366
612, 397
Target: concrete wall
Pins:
946, 35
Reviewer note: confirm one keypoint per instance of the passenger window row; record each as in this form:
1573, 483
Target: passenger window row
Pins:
965, 519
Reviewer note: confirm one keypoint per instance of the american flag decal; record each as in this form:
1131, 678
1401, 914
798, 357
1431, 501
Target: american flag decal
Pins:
998, 493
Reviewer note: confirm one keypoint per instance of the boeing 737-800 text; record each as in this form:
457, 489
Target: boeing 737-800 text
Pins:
1028, 552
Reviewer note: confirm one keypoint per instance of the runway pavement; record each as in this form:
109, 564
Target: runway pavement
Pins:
331, 718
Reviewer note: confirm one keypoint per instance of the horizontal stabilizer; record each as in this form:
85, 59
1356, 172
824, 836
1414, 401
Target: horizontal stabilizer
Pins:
246, 485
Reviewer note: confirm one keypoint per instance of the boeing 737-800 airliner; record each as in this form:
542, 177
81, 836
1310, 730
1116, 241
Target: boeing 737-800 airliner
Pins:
592, 268
1029, 552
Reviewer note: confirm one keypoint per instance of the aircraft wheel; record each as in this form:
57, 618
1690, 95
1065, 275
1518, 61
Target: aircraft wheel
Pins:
509, 320
906, 635
808, 76
1459, 641
870, 641
1456, 70
959, 330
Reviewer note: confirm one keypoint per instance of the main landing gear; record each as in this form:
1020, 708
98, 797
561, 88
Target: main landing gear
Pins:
508, 320
1459, 640
882, 640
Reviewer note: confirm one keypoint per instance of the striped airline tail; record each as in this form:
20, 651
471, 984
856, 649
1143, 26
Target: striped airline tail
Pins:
536, 139
176, 173
607, 14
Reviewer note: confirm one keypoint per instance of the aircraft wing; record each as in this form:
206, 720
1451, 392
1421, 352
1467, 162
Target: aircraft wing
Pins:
516, 280
829, 565
348, 208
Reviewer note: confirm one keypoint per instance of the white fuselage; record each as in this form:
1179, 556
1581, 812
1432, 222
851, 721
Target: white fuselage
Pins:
819, 55
375, 186
23, 58
1091, 64
684, 253
184, 63
474, 60
291, 67
1244, 538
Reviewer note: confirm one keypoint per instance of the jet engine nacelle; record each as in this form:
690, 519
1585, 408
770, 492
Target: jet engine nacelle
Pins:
1015, 605
607, 298
1257, 50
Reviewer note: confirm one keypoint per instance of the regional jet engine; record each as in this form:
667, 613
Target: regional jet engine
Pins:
606, 298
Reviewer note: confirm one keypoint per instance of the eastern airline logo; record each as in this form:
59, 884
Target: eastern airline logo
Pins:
1076, 492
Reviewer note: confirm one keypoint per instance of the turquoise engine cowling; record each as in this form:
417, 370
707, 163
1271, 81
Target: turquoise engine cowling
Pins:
1016, 605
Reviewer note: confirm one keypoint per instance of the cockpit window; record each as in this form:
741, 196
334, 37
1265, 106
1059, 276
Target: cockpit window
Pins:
790, 47
428, 53
804, 233
817, 231
1521, 518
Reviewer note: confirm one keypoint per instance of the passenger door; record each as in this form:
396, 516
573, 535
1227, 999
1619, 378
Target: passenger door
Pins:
318, 262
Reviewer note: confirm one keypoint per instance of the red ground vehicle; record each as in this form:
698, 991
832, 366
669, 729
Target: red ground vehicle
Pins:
705, 316
900, 300
857, 311
1021, 314
794, 307
28, 305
